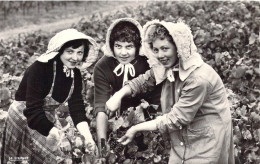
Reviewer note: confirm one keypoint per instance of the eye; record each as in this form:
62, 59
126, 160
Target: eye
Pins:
80, 53
164, 48
70, 51
155, 50
117, 46
130, 47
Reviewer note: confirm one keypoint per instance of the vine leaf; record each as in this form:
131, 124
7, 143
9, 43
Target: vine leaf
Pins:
252, 39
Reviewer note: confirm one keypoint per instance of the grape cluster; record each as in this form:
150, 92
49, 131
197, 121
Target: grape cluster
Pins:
77, 154
76, 160
131, 155
119, 149
116, 146
140, 142
121, 132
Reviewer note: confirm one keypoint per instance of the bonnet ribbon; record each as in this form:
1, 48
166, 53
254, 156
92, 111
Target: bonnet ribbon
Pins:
68, 72
170, 73
125, 68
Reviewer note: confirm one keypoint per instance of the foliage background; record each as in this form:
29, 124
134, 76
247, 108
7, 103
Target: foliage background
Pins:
227, 36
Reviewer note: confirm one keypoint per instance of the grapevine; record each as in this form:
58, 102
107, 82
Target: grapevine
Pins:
227, 37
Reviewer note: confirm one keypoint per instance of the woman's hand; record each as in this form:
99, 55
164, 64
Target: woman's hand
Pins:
128, 137
114, 103
52, 140
91, 147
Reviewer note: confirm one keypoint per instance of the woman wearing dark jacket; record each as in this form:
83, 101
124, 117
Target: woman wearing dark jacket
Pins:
122, 61
32, 130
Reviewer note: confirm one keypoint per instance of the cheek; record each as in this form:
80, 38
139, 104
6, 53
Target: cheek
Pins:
63, 57
116, 52
80, 58
132, 52
173, 56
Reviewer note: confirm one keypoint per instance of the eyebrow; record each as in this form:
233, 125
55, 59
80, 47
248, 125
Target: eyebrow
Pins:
70, 48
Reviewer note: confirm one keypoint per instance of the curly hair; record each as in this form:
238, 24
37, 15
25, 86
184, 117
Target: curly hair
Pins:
159, 32
76, 44
125, 32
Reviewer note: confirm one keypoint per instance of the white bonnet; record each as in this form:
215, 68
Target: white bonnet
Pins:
63, 37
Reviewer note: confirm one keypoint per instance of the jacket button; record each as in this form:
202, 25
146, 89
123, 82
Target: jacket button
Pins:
181, 143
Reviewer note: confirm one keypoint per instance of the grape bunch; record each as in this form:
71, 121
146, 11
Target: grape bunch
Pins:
116, 146
120, 132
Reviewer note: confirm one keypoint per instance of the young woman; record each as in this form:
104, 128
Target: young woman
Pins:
122, 61
32, 129
198, 121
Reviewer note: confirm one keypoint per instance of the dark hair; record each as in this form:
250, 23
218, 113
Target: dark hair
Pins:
159, 32
76, 44
125, 32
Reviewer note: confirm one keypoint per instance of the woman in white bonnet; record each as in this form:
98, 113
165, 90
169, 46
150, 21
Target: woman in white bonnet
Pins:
122, 61
32, 130
196, 116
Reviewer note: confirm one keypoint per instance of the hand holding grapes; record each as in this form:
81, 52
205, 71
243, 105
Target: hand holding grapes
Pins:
52, 140
91, 147
128, 137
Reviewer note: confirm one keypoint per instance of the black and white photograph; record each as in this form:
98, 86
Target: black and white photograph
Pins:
129, 82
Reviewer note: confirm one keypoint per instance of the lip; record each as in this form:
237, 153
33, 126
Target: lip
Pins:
123, 58
164, 61
73, 63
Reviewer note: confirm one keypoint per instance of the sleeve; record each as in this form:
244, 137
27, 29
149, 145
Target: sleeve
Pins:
143, 83
76, 102
102, 89
193, 95
36, 118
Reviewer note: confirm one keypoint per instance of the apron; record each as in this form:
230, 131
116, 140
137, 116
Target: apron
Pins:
21, 144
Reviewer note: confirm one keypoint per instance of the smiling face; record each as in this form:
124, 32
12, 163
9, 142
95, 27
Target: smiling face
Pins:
71, 57
125, 41
124, 51
165, 51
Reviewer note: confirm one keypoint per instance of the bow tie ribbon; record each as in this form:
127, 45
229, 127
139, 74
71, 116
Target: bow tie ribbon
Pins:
68, 72
125, 68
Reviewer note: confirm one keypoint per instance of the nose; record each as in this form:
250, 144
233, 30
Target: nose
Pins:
74, 56
160, 54
123, 51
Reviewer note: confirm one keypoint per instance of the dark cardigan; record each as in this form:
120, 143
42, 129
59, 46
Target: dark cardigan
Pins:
107, 83
36, 85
